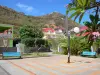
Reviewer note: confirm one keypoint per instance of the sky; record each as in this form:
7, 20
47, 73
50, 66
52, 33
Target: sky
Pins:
38, 7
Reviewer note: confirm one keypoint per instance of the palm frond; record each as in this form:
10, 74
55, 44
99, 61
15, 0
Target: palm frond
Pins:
85, 2
81, 17
78, 11
79, 2
76, 16
70, 9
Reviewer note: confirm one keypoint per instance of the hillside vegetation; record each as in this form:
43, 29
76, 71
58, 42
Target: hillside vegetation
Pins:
10, 16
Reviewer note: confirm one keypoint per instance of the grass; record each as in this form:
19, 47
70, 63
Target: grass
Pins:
56, 52
35, 54
98, 56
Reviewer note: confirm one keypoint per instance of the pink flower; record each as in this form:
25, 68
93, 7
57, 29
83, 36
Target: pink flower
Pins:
96, 34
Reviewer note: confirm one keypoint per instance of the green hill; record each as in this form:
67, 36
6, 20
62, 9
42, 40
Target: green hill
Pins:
10, 16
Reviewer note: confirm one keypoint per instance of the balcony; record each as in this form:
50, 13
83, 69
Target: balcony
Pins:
5, 35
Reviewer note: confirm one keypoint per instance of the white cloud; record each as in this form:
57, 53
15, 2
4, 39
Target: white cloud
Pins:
26, 8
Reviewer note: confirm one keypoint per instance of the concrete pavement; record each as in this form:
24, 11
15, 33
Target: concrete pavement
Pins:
3, 71
54, 65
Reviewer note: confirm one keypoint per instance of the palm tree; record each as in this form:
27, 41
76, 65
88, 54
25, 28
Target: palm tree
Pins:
93, 29
79, 7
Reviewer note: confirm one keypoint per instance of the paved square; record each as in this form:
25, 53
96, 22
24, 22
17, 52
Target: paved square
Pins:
54, 65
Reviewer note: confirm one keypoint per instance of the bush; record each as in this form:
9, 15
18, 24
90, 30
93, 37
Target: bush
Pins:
77, 45
96, 45
29, 42
32, 42
40, 42
30, 31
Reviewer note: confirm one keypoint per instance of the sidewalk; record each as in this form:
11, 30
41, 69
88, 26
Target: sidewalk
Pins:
3, 71
53, 65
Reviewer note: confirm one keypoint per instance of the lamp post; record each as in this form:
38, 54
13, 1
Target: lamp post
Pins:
76, 30
68, 46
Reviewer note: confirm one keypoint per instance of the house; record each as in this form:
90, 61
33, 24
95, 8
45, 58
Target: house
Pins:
51, 33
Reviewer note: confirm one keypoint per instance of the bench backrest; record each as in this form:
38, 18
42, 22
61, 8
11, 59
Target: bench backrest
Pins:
11, 54
88, 53
8, 49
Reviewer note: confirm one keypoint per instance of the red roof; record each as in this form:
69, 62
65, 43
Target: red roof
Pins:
48, 29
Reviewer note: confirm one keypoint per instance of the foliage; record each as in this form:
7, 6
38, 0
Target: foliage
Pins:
32, 42
56, 52
42, 42
28, 42
35, 54
19, 19
28, 31
97, 43
79, 7
2, 29
77, 45
54, 42
93, 26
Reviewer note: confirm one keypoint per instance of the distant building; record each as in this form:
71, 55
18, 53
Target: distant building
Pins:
6, 35
51, 33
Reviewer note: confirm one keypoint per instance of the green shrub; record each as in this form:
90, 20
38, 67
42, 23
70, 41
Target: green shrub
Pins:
56, 52
40, 42
31, 42
30, 31
77, 45
96, 44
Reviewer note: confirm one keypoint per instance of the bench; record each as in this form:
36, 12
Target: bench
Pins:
87, 53
11, 54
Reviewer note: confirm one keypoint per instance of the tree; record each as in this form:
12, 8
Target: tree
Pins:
29, 31
76, 48
79, 7
93, 27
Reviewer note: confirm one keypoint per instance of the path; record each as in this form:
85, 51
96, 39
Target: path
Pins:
54, 65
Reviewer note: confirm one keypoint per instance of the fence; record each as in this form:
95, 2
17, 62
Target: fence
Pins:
8, 49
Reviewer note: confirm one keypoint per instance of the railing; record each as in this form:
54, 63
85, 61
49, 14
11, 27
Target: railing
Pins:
5, 35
